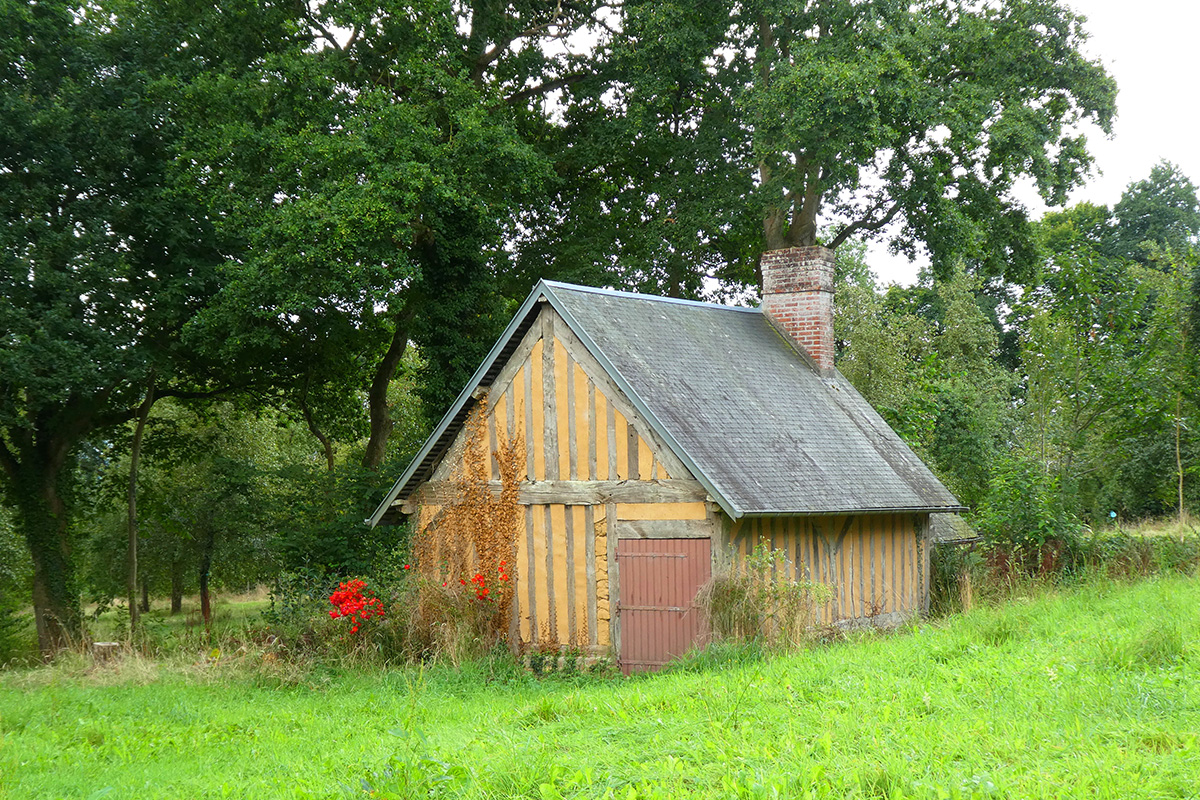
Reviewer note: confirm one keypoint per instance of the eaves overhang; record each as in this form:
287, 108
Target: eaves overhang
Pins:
426, 460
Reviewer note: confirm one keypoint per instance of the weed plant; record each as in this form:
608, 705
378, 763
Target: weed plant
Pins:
753, 602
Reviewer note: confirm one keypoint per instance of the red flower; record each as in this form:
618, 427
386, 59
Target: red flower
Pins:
349, 602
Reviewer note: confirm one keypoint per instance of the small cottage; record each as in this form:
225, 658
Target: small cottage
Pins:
655, 438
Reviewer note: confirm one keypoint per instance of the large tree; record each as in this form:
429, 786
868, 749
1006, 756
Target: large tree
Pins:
861, 116
1159, 213
925, 113
371, 172
103, 258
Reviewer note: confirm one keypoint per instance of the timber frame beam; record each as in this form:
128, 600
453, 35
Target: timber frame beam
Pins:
570, 492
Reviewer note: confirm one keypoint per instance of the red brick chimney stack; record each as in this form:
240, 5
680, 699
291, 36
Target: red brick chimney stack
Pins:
798, 297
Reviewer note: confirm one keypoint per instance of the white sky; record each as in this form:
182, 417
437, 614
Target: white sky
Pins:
1151, 48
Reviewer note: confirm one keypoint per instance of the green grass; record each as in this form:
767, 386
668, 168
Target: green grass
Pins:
230, 613
1092, 692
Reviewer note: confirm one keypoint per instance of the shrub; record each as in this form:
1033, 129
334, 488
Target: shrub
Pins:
298, 598
954, 572
17, 640
1026, 507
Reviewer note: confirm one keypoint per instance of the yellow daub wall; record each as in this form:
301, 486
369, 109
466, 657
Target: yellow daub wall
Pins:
571, 428
874, 563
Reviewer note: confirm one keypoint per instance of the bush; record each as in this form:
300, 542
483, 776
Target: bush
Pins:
423, 620
1123, 555
437, 621
1026, 507
954, 572
995, 569
298, 598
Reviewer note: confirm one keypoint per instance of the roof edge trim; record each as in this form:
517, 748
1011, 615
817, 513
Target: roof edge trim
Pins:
851, 512
651, 297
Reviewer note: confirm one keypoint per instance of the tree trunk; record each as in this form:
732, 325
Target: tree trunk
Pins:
145, 596
377, 404
42, 516
326, 442
205, 569
176, 586
131, 558
1179, 456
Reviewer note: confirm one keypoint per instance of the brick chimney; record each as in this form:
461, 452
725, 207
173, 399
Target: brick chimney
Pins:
798, 297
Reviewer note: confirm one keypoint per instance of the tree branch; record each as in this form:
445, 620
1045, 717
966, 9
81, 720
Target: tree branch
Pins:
326, 442
865, 225
548, 86
380, 419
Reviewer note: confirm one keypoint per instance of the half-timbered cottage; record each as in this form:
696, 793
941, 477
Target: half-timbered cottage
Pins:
661, 437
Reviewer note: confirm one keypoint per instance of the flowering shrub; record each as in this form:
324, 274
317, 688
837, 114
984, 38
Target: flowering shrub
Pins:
348, 601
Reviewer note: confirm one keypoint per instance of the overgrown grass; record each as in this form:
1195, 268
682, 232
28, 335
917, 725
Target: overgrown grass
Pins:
1089, 692
229, 612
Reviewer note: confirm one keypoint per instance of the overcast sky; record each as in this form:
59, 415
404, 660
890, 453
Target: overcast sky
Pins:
1152, 49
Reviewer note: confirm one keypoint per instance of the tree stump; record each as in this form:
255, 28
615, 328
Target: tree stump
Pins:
105, 651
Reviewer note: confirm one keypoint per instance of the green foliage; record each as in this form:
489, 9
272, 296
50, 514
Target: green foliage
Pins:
927, 358
319, 520
16, 636
298, 597
1109, 357
103, 260
845, 90
1160, 212
950, 566
1026, 507
999, 570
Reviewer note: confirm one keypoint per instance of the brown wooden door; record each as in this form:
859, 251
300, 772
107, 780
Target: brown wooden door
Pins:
659, 579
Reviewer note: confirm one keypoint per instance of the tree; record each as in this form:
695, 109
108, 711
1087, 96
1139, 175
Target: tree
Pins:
651, 165
1117, 297
926, 357
1086, 355
709, 131
1174, 369
1160, 212
103, 258
944, 104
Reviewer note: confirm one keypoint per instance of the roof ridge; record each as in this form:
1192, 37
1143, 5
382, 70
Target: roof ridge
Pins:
649, 297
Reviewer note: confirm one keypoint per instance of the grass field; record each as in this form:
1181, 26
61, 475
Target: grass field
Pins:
1093, 692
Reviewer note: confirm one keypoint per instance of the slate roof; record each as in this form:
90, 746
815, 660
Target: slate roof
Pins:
951, 529
741, 406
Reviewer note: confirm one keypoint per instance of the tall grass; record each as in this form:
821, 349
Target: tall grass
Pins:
750, 602
996, 570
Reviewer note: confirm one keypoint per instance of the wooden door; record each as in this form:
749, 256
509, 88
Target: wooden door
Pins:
659, 579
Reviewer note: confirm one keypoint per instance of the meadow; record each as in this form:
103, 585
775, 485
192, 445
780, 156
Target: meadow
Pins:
1090, 692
